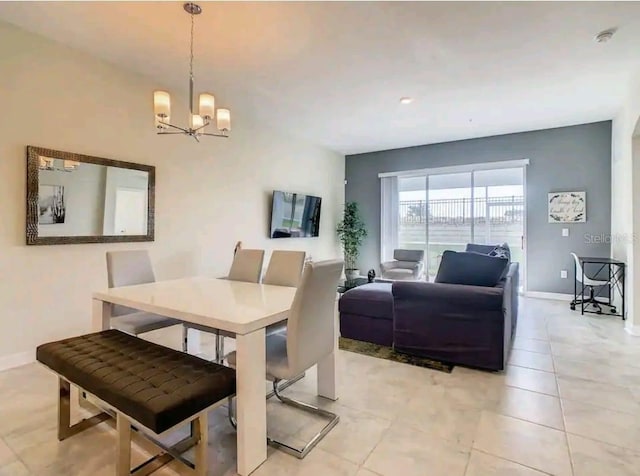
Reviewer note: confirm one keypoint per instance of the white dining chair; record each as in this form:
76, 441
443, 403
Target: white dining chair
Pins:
285, 269
247, 267
128, 268
309, 338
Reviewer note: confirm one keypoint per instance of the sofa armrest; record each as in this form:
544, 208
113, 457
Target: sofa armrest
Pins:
388, 265
511, 289
412, 265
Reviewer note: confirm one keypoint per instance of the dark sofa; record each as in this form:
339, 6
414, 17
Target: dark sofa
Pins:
467, 325
456, 323
366, 313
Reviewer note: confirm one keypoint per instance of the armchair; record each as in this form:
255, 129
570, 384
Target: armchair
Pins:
407, 265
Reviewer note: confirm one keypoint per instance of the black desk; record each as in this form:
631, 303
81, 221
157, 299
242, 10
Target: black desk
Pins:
616, 271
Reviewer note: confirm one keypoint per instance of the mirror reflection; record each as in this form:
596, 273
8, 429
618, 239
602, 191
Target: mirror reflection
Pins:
86, 199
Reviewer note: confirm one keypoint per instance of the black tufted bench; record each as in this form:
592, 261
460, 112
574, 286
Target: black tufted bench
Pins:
146, 386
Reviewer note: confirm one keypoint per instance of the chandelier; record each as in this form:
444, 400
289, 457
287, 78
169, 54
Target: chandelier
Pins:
199, 122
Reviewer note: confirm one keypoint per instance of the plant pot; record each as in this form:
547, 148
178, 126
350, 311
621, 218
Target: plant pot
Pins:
351, 273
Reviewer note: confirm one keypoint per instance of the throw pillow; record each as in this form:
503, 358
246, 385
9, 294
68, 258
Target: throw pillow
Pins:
470, 268
477, 248
502, 251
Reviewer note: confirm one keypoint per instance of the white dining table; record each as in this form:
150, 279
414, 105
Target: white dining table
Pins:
244, 309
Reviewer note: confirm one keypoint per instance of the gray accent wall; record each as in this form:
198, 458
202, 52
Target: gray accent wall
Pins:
575, 158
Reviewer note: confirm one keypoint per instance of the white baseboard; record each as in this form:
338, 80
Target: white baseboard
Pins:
632, 330
553, 296
16, 360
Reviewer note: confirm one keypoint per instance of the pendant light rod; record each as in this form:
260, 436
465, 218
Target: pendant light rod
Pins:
193, 10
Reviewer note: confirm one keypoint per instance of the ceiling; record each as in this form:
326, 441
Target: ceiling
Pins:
333, 72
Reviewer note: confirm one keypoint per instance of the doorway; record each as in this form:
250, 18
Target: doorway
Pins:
130, 212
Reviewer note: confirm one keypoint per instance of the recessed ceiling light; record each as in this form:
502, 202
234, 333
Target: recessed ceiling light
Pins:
406, 100
605, 35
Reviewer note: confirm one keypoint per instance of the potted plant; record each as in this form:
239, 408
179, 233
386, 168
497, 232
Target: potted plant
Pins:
351, 232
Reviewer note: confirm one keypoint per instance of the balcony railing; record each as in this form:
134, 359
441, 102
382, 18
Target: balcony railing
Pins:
459, 211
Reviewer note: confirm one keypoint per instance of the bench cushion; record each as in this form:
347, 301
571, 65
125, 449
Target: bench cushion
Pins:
156, 386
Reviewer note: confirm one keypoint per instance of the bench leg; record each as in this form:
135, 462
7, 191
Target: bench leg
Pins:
123, 447
201, 430
65, 429
199, 437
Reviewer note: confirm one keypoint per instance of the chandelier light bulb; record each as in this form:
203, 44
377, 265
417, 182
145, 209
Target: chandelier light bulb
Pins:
224, 120
207, 106
197, 122
162, 103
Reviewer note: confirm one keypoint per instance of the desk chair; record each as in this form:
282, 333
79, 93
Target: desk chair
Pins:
589, 284
309, 338
127, 268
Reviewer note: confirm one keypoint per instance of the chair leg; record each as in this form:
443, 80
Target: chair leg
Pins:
286, 384
219, 348
123, 446
231, 415
299, 453
185, 339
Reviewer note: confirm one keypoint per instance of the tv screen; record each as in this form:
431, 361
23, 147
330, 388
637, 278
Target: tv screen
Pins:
295, 215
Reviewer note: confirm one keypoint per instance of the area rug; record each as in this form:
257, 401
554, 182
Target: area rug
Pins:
382, 352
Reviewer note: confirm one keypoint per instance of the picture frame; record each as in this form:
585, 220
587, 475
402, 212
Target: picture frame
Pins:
51, 205
567, 207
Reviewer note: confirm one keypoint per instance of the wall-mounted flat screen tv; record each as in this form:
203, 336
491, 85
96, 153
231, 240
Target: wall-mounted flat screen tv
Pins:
295, 215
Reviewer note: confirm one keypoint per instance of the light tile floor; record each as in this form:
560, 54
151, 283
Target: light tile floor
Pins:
569, 404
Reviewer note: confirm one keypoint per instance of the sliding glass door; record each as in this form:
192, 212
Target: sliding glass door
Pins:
450, 208
499, 209
412, 213
445, 211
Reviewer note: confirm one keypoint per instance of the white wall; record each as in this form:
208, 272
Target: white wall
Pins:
625, 199
208, 195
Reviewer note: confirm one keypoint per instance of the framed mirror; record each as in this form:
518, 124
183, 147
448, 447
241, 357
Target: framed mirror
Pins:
74, 198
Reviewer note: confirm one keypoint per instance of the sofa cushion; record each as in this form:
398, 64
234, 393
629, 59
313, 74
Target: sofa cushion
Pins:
372, 300
470, 268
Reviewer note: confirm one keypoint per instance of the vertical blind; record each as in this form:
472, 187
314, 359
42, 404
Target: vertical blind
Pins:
389, 200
